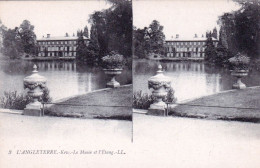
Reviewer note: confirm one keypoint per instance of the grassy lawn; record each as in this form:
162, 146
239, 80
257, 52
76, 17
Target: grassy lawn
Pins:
100, 102
247, 98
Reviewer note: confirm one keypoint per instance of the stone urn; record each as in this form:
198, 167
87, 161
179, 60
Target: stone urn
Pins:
159, 85
240, 63
35, 83
239, 74
112, 73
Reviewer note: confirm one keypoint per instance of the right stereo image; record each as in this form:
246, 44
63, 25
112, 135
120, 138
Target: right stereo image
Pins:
196, 78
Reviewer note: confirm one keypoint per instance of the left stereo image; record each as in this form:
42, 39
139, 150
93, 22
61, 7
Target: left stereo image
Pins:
66, 74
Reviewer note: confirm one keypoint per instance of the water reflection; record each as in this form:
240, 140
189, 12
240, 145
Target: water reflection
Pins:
65, 78
189, 79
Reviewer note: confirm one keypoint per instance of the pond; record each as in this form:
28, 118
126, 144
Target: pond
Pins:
189, 79
64, 78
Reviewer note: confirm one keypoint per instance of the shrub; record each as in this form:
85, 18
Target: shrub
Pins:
13, 100
143, 101
239, 62
113, 61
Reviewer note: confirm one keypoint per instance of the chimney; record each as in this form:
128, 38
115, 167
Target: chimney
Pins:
177, 36
48, 35
172, 37
202, 35
195, 36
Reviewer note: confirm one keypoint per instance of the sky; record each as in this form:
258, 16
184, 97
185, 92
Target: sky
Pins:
51, 17
185, 17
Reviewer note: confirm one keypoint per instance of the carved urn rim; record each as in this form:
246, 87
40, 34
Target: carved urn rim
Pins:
35, 77
159, 80
159, 77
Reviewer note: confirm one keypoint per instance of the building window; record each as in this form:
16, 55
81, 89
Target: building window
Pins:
65, 42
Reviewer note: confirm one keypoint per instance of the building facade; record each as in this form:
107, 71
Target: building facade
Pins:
58, 46
187, 48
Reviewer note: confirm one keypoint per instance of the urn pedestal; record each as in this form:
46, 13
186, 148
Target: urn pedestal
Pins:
35, 83
160, 85
112, 73
239, 74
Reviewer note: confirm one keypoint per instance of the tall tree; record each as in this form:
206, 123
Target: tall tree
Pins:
140, 45
81, 48
222, 54
28, 37
215, 33
85, 32
242, 28
12, 44
98, 20
155, 37
210, 50
93, 46
223, 37
114, 28
2, 30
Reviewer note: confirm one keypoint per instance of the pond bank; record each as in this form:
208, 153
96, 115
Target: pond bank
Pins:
104, 104
235, 105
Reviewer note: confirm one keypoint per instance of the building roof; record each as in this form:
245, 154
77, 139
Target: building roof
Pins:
59, 38
190, 39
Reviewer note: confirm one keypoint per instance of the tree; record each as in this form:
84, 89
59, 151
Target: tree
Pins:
98, 20
88, 54
114, 28
215, 33
119, 27
28, 37
155, 37
140, 45
93, 46
12, 44
242, 28
223, 37
81, 48
2, 30
85, 32
222, 54
210, 50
